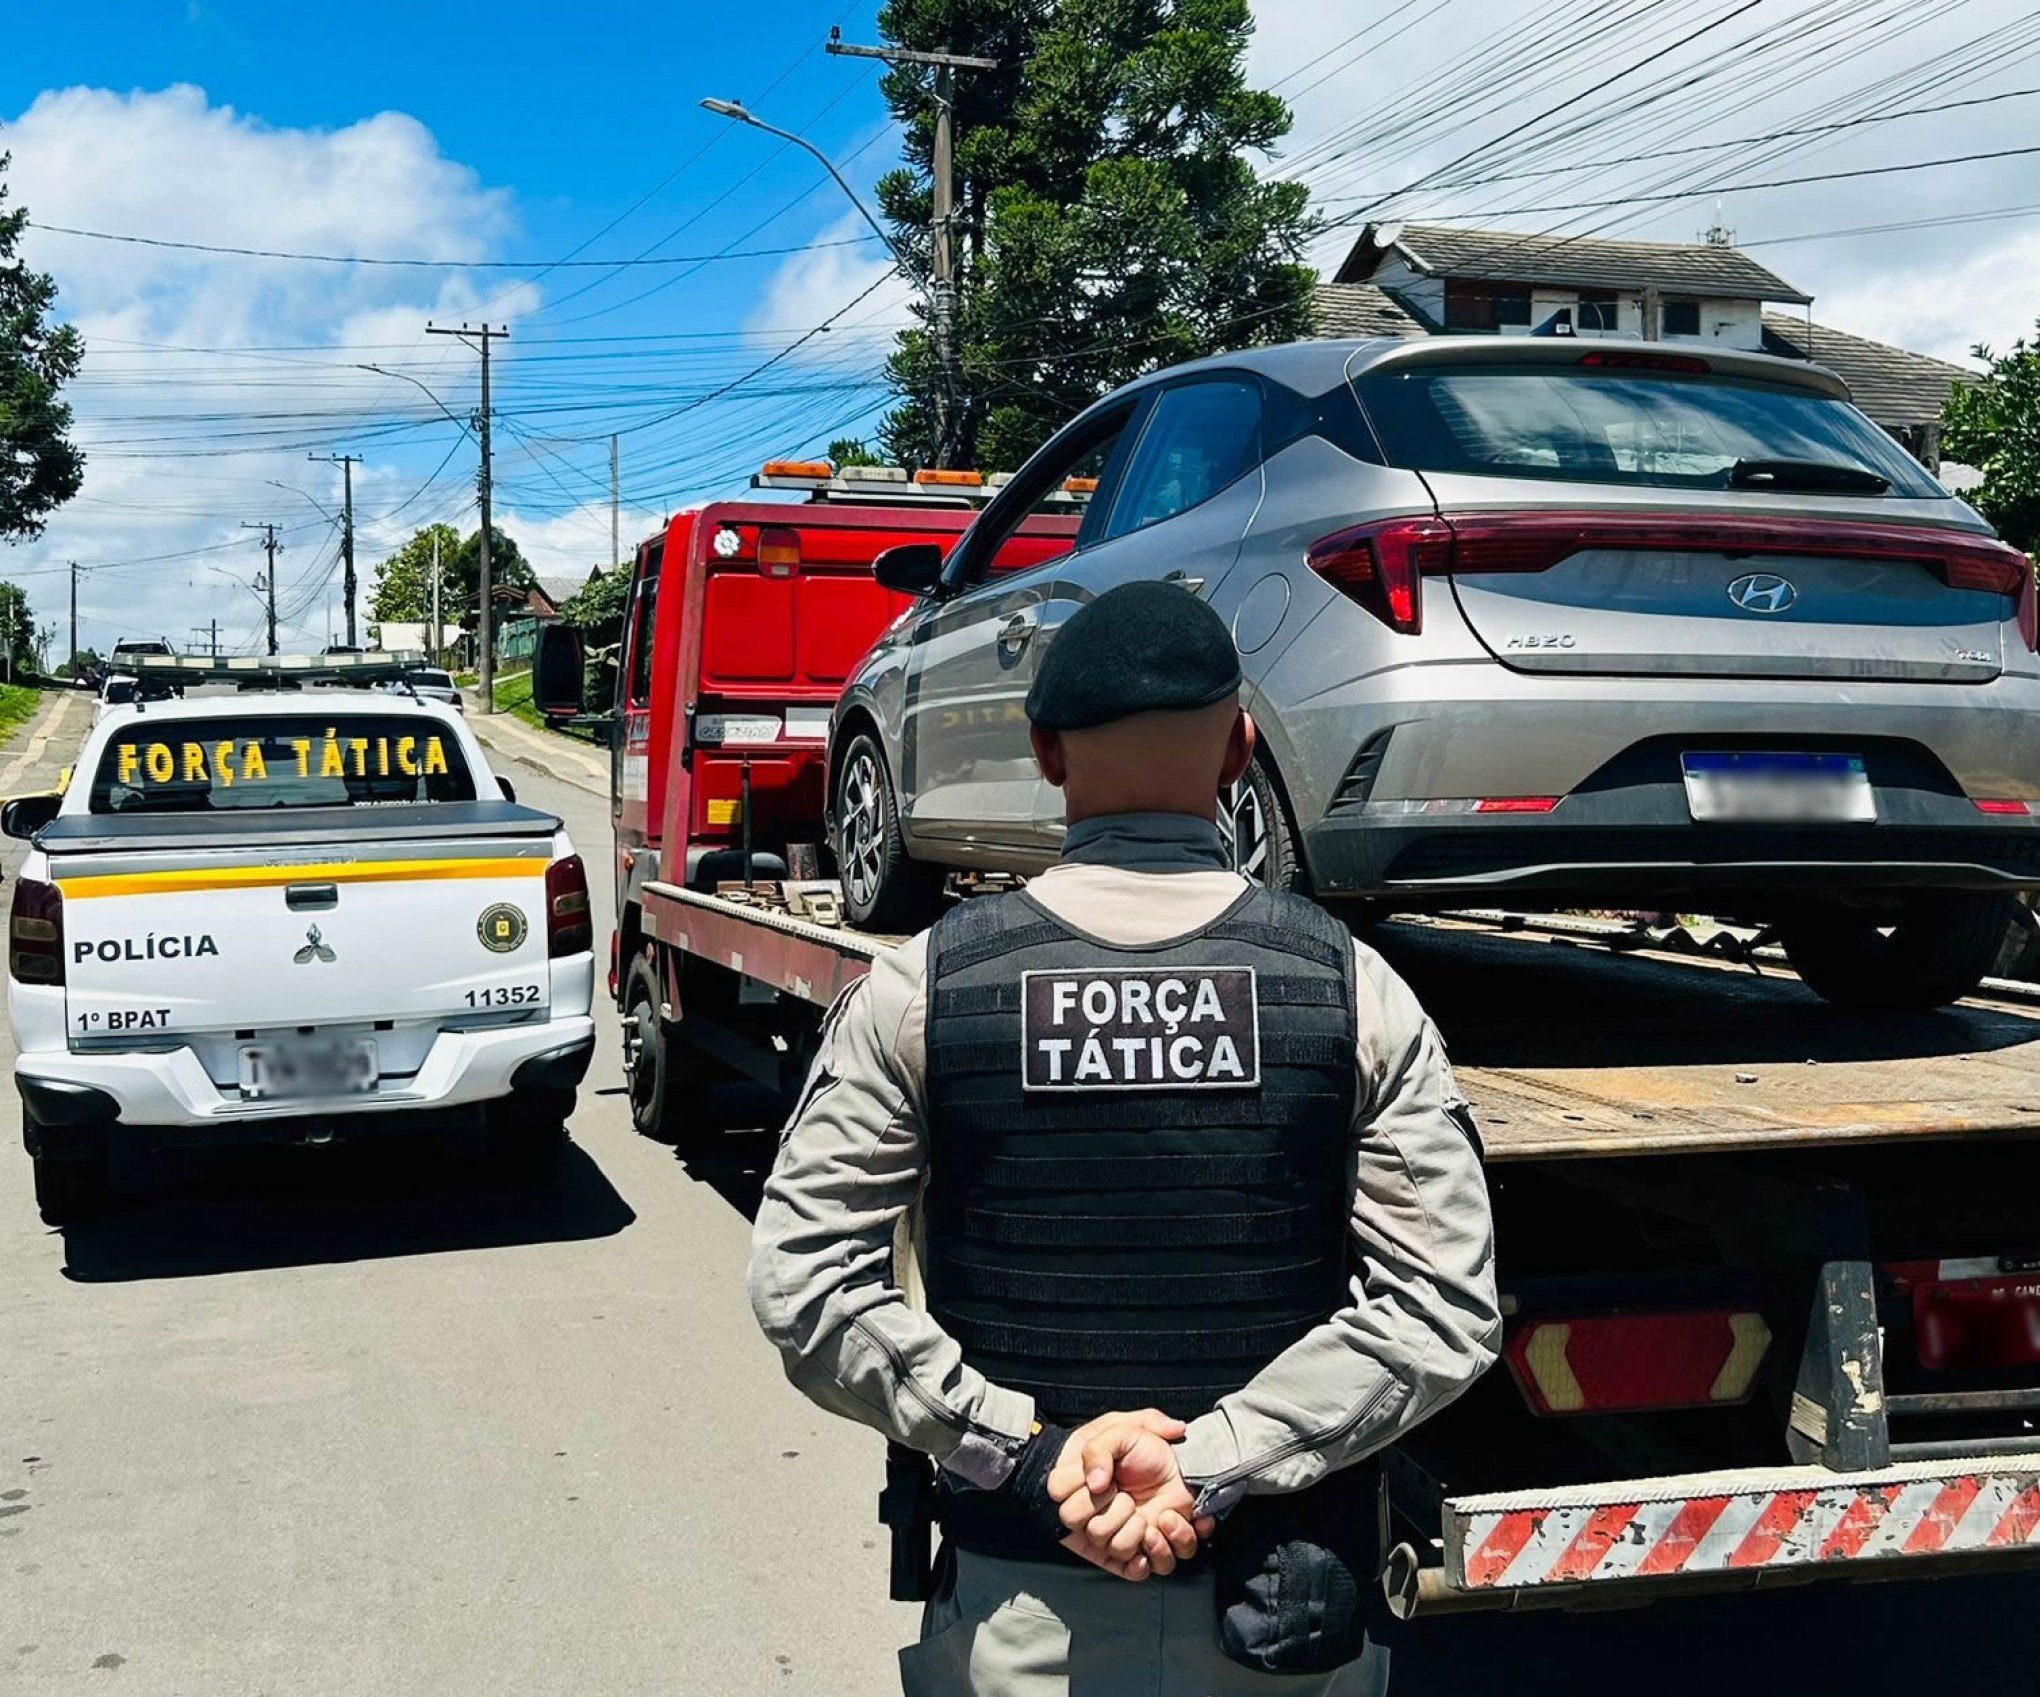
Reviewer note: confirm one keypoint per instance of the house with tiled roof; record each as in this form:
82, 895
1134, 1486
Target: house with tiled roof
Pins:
1441, 279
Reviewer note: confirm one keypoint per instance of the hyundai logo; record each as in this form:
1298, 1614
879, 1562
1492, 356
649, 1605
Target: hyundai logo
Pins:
1763, 592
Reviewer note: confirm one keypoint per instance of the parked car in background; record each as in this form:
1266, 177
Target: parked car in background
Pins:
1522, 618
429, 683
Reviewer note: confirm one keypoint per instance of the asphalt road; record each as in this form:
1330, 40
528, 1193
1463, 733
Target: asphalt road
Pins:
346, 1420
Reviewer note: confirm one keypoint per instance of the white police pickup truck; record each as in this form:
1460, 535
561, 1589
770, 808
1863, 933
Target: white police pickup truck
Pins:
285, 913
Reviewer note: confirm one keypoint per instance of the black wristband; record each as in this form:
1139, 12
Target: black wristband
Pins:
1027, 1489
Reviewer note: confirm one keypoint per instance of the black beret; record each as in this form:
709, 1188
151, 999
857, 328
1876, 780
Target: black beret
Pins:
1141, 648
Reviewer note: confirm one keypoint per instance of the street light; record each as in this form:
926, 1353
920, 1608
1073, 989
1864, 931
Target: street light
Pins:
937, 296
384, 371
743, 115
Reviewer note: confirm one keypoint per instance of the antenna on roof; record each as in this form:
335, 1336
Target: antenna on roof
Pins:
1718, 234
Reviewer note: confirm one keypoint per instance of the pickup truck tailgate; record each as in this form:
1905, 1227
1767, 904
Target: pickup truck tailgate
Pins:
304, 927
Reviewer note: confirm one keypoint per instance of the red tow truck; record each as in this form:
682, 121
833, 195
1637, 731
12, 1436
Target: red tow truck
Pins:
1771, 1271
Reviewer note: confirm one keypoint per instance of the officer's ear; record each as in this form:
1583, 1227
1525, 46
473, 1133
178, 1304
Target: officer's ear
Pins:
1239, 749
1048, 754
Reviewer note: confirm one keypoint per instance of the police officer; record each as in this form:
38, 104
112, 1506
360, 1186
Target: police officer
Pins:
1143, 1202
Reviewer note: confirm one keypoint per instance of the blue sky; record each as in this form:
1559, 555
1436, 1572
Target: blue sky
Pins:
429, 131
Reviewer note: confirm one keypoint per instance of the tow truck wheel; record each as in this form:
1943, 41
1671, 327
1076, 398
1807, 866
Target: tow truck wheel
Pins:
1935, 951
882, 888
70, 1189
1258, 835
647, 1048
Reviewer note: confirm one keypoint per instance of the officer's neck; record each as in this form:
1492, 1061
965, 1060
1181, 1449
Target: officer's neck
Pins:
1146, 842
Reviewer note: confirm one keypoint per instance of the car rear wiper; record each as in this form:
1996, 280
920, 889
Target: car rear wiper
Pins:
1807, 476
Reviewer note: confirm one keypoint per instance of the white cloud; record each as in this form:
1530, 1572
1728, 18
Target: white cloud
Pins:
565, 545
170, 164
811, 287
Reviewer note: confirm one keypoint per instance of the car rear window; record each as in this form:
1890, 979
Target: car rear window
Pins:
1629, 427
266, 760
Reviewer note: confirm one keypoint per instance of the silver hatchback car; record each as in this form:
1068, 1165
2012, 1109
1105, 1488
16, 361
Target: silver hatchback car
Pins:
1584, 623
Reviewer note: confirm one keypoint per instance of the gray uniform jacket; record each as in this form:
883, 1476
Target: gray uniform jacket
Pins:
832, 1294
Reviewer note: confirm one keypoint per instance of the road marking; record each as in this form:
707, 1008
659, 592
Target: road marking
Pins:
53, 721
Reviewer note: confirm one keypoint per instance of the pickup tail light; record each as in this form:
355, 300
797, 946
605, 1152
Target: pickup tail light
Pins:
569, 926
35, 933
1625, 1363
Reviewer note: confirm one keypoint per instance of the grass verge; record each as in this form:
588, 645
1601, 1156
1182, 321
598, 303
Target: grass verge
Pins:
17, 703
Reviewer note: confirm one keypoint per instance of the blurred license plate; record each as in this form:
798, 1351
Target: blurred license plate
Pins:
1768, 788
274, 1070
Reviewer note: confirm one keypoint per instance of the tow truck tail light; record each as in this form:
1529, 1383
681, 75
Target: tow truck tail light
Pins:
1623, 1363
778, 550
1382, 566
569, 927
35, 933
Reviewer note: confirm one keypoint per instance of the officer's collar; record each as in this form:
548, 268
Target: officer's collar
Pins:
1147, 842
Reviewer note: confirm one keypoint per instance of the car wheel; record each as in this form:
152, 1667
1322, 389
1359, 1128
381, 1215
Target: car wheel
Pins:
71, 1188
883, 889
1936, 951
1254, 820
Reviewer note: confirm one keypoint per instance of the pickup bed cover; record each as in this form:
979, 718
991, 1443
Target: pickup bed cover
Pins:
1570, 1051
242, 828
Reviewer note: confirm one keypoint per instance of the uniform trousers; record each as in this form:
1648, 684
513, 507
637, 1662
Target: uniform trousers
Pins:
998, 1628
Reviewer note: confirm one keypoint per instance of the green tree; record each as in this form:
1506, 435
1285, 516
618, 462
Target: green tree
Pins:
1108, 217
1994, 425
403, 582
17, 624
596, 609
40, 468
851, 450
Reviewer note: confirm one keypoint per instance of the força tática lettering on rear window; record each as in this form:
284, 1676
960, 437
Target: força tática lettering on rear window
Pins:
260, 762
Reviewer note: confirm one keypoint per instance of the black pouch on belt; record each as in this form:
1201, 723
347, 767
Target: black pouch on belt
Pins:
1297, 1576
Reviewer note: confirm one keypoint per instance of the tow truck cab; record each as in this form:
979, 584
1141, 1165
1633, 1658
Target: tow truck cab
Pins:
742, 622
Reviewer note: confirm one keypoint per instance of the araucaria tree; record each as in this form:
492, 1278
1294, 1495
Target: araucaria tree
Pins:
40, 467
1109, 216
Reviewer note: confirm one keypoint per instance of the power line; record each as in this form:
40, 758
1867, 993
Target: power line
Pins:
543, 265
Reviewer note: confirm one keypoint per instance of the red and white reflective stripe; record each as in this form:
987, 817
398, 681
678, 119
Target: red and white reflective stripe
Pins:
1817, 1518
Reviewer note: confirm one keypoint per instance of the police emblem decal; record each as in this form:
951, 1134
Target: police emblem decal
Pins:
1166, 1028
501, 928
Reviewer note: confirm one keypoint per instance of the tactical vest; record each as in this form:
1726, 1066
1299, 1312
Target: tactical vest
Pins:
1137, 1188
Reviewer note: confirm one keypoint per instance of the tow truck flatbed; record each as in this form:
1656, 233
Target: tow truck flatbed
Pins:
1569, 1050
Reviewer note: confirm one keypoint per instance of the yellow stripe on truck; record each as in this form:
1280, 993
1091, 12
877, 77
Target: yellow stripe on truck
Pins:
268, 877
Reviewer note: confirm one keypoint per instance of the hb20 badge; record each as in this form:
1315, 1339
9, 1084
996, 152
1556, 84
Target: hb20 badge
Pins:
501, 928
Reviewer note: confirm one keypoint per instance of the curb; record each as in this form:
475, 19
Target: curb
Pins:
37, 732
550, 756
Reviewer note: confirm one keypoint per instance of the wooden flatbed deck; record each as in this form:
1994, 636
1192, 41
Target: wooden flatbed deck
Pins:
1569, 1050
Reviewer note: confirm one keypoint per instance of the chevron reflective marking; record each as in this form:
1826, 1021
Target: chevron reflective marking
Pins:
1737, 1522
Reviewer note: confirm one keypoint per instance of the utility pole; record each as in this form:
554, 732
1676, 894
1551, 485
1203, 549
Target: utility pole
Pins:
942, 249
615, 510
346, 463
74, 622
479, 339
209, 634
270, 544
438, 642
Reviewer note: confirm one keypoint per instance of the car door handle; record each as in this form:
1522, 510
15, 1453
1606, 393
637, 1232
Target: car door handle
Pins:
1194, 584
1017, 631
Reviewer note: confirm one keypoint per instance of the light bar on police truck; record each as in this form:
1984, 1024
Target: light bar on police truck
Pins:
242, 668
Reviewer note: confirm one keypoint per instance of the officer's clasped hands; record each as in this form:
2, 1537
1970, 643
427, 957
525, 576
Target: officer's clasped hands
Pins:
1123, 1497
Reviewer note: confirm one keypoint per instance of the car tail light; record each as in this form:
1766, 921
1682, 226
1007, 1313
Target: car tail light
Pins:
1973, 1314
1607, 361
2003, 805
1515, 804
35, 933
569, 926
1382, 566
1622, 1363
